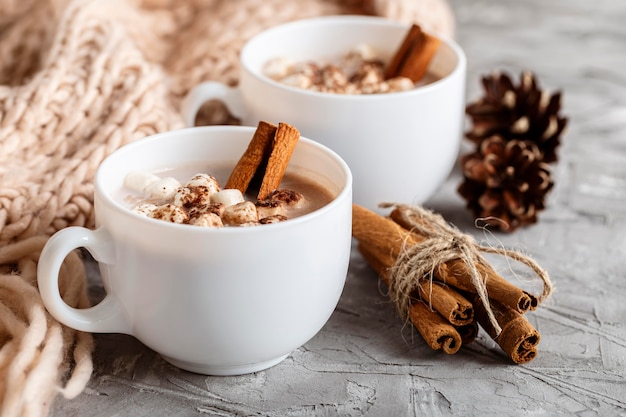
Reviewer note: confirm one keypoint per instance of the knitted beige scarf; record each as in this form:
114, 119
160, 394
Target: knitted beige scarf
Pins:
79, 79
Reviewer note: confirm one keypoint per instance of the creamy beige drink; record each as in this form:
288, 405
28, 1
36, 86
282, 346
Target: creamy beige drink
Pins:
360, 71
194, 195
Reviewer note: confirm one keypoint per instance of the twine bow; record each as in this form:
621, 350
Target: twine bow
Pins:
444, 242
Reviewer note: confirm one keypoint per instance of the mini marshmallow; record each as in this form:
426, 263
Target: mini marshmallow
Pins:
363, 51
297, 80
273, 219
192, 196
170, 213
400, 84
240, 214
369, 74
145, 209
308, 69
267, 208
207, 220
227, 197
277, 68
137, 181
204, 180
333, 77
356, 57
286, 197
164, 188
215, 208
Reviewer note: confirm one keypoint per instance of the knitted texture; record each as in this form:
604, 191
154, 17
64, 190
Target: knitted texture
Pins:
79, 79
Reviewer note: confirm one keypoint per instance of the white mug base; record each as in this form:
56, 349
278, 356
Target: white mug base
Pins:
225, 370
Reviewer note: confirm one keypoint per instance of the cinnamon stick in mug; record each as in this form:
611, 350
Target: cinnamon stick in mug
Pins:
252, 159
413, 56
283, 145
266, 158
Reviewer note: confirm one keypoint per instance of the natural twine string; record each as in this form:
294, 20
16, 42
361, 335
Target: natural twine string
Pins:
444, 242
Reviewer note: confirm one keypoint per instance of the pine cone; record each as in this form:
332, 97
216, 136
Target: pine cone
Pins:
517, 112
505, 182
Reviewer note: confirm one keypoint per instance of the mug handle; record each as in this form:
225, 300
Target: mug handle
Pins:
106, 316
212, 90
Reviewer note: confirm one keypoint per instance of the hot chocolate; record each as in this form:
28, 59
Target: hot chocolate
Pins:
360, 71
190, 195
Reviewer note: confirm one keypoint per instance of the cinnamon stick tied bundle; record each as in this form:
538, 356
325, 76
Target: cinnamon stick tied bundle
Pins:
433, 231
415, 251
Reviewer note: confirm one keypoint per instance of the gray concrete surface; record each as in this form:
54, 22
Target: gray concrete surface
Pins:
365, 361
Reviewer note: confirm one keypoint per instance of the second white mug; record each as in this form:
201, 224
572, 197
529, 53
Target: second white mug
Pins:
400, 146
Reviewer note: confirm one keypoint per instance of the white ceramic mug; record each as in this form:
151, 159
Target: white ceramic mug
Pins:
399, 146
214, 301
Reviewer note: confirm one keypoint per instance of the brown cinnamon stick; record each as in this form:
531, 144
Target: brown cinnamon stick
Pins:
381, 240
377, 260
266, 157
468, 332
448, 302
518, 339
438, 333
497, 287
252, 159
283, 145
380, 232
456, 272
413, 56
455, 308
388, 236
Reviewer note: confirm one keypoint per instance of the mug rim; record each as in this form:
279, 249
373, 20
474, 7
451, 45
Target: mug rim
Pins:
110, 202
461, 59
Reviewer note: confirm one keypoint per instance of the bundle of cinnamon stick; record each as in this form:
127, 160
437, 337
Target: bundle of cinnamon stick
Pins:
440, 282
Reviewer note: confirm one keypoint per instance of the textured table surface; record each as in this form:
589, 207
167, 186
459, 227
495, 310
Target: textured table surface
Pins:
365, 361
